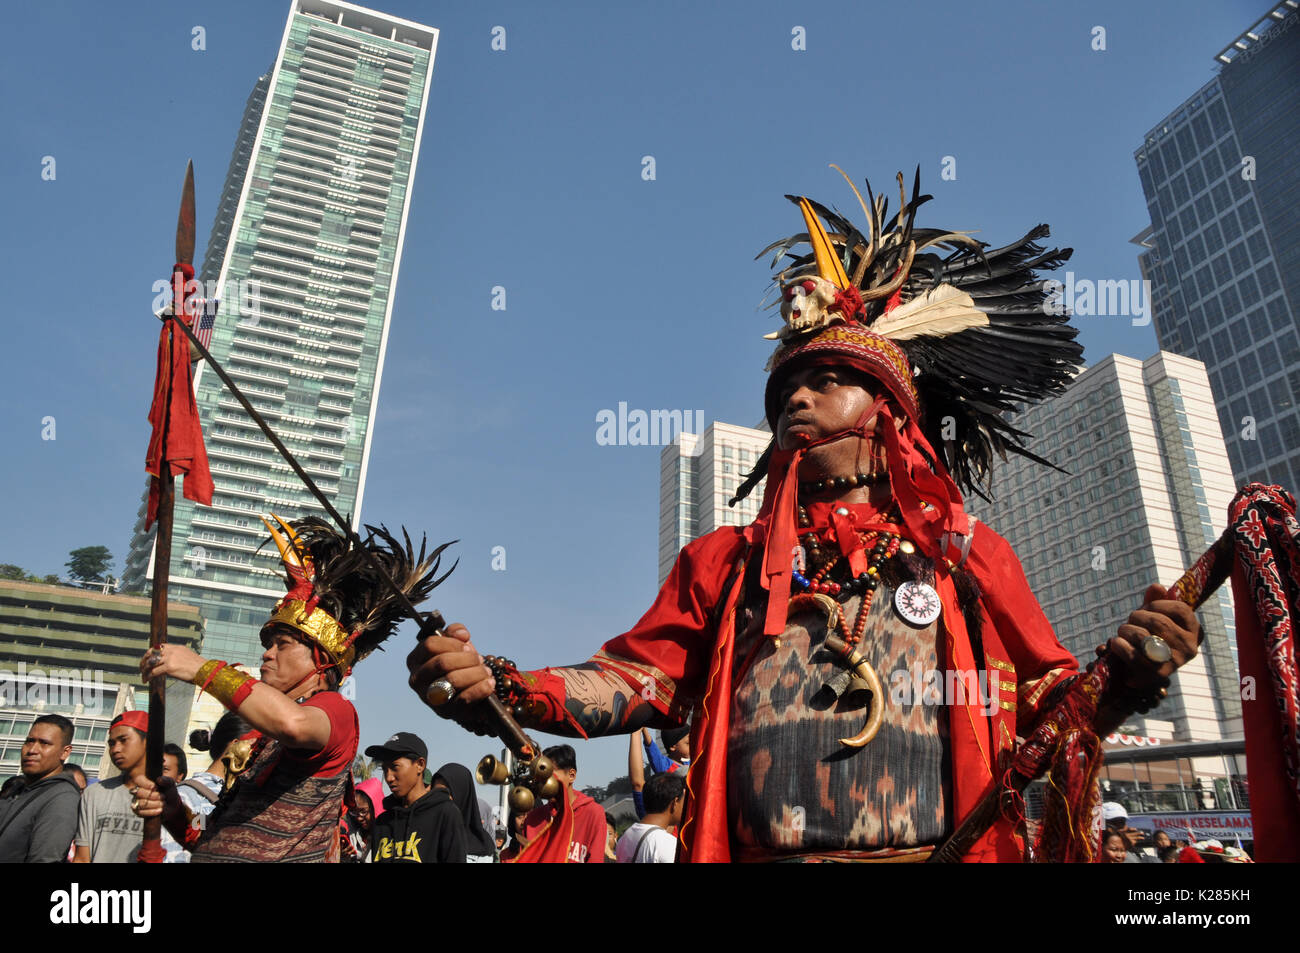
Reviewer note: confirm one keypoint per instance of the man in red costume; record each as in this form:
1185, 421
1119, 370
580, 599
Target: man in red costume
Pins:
286, 804
862, 550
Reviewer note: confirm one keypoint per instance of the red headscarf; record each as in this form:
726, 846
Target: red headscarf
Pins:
928, 500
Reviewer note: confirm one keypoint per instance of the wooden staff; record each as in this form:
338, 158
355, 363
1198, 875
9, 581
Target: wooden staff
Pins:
151, 847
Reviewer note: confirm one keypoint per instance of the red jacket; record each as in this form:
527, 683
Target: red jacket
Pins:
681, 652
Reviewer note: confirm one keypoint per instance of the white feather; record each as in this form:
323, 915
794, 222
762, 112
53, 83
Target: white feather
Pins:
941, 312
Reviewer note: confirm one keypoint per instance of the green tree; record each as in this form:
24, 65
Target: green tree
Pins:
364, 768
89, 563
10, 571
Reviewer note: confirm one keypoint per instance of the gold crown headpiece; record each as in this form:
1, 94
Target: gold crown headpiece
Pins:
337, 595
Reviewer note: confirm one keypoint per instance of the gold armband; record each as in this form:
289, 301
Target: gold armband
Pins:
226, 684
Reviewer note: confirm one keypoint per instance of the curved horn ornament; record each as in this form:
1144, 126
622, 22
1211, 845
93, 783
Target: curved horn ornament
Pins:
862, 668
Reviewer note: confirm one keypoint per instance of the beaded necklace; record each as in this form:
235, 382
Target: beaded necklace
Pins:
813, 487
882, 546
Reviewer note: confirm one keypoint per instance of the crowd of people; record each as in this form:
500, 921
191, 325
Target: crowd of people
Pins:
1122, 844
49, 813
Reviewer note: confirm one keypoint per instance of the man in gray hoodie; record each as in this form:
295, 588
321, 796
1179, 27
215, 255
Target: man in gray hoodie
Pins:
38, 823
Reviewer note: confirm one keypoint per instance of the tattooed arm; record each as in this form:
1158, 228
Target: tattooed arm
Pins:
582, 701
601, 702
648, 676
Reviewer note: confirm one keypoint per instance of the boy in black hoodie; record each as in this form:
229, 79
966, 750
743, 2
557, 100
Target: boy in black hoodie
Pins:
37, 823
420, 825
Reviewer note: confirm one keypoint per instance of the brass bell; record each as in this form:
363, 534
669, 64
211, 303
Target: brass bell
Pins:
492, 771
543, 767
551, 788
521, 800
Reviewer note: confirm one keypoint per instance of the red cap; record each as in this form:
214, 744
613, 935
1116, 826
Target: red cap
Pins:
138, 719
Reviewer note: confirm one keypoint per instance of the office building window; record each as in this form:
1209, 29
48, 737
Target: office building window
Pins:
1268, 282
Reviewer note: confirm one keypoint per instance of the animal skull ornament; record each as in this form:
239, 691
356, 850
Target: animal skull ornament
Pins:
805, 306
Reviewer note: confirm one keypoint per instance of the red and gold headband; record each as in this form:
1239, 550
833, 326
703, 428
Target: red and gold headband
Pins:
298, 609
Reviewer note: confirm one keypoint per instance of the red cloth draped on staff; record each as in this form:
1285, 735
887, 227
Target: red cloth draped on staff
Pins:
175, 446
174, 415
1260, 551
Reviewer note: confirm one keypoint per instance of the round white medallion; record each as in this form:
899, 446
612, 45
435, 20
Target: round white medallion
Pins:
917, 603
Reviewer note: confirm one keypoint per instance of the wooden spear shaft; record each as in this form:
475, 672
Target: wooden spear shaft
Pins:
162, 561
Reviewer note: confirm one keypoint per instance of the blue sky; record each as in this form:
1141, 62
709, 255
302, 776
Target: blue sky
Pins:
618, 289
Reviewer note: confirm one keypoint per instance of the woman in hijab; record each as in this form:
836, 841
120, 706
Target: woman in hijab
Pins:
460, 785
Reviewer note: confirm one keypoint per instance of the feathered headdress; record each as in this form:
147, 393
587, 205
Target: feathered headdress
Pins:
964, 333
957, 333
337, 598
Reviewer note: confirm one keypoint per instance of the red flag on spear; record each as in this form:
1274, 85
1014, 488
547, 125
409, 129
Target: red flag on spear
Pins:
177, 437
175, 446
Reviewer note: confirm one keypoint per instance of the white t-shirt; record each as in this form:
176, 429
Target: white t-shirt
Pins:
107, 825
656, 845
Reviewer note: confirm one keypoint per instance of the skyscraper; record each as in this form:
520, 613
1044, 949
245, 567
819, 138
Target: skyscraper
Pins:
304, 250
1223, 249
1147, 492
697, 476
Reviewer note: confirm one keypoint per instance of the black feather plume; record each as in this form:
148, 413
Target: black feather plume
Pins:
970, 380
351, 589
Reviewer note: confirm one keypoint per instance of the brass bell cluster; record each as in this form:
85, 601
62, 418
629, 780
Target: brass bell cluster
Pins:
531, 778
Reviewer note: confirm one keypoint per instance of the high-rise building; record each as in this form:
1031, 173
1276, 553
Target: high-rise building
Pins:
1222, 252
76, 652
1147, 492
698, 474
304, 250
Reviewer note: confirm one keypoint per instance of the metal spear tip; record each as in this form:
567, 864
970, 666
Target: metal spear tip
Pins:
185, 219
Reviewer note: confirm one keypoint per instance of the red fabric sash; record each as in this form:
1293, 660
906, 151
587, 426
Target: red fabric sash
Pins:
550, 844
930, 502
1266, 589
776, 527
706, 834
174, 414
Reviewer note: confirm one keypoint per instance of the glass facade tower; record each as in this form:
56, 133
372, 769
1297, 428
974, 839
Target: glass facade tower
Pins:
304, 249
1146, 493
1223, 249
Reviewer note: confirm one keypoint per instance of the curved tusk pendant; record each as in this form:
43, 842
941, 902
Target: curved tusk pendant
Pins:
862, 668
